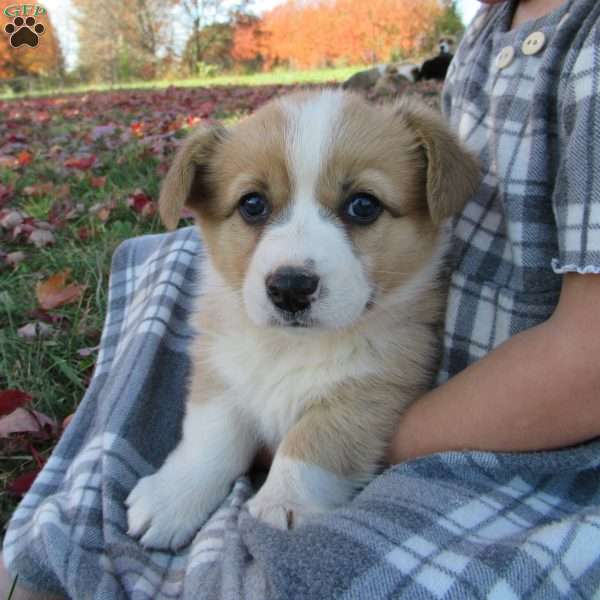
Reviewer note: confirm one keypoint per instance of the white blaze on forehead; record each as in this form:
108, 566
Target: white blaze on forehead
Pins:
305, 235
310, 129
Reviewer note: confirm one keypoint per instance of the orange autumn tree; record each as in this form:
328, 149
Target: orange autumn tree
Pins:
305, 34
248, 37
45, 59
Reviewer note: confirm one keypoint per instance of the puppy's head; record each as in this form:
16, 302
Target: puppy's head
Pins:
320, 205
446, 44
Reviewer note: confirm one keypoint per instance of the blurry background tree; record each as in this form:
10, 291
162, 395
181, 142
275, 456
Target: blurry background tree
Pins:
209, 49
304, 34
120, 41
248, 42
46, 60
449, 22
210, 25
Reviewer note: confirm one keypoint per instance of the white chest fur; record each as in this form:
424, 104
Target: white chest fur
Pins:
273, 376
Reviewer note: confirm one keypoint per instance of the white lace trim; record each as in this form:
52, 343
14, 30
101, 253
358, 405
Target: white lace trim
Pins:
561, 269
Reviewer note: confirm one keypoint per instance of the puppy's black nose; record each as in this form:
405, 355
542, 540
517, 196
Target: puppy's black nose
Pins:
290, 288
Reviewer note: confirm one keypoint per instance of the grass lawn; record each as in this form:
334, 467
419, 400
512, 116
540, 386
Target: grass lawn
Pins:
284, 77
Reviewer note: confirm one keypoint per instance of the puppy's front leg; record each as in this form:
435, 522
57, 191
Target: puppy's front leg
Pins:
166, 509
334, 449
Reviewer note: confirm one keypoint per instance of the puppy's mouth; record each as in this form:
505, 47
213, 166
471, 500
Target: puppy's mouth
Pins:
299, 320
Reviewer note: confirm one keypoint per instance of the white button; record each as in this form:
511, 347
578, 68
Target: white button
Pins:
534, 43
505, 57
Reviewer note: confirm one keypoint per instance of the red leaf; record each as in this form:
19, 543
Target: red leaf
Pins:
42, 116
24, 158
11, 400
137, 128
84, 233
22, 483
139, 201
98, 182
83, 163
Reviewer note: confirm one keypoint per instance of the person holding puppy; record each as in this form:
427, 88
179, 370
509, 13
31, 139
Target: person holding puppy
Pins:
519, 373
522, 335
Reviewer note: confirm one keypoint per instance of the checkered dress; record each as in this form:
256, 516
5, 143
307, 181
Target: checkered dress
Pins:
535, 124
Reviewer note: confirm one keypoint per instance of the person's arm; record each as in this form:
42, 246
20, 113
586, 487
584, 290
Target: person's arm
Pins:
539, 390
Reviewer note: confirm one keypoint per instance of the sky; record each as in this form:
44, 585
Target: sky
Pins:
62, 18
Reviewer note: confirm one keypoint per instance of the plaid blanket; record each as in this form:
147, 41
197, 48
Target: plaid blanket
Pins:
453, 525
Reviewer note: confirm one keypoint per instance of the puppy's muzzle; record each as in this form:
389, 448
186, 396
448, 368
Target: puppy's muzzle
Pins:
292, 289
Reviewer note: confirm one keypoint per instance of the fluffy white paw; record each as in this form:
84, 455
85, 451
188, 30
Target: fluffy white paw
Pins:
280, 512
165, 515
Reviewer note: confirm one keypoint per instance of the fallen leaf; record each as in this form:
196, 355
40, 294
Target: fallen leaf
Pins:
9, 162
40, 189
9, 219
104, 214
82, 163
63, 210
139, 200
102, 210
23, 420
41, 238
14, 258
98, 182
55, 292
137, 128
10, 400
41, 116
84, 233
35, 330
20, 486
24, 158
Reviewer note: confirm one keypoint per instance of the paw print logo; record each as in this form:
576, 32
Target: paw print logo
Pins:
24, 31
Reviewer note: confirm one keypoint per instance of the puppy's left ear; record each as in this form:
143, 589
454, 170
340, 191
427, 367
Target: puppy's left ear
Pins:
452, 172
187, 182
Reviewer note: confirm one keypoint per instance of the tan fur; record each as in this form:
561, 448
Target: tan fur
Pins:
363, 80
348, 430
452, 173
390, 84
403, 154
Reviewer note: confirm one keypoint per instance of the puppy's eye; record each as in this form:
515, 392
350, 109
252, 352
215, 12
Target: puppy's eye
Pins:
254, 208
362, 209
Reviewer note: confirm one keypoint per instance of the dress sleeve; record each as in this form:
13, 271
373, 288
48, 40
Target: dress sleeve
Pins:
576, 199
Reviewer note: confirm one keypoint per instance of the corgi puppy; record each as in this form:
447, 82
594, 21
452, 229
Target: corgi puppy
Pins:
323, 219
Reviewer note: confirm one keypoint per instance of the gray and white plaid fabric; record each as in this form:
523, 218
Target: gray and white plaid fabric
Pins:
535, 124
451, 525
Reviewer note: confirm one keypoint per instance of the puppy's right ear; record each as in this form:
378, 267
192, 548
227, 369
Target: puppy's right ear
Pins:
186, 182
